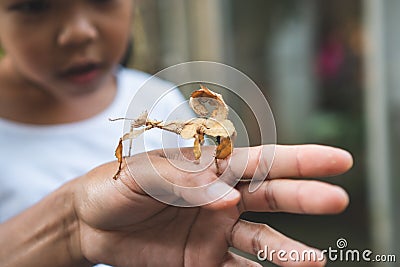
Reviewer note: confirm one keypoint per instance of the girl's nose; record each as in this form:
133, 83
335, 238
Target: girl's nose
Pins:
77, 31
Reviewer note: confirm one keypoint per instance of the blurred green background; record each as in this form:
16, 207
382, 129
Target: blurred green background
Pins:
329, 71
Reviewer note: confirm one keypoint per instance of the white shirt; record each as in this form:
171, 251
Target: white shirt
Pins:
37, 159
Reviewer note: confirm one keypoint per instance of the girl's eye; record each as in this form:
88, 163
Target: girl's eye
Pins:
104, 2
31, 7
101, 1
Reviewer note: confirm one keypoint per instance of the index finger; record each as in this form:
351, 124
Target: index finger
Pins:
288, 161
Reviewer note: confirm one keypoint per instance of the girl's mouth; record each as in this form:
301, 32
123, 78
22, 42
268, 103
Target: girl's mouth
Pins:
82, 73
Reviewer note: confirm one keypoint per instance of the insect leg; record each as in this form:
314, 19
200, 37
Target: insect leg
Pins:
130, 141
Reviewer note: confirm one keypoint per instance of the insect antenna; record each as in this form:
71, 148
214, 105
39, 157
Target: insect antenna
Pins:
120, 119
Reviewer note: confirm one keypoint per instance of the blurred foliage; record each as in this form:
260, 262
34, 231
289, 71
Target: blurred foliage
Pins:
146, 36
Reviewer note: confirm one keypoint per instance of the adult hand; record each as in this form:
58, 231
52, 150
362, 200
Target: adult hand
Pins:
121, 225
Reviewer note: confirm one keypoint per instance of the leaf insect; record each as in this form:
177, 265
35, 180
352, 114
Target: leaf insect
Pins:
212, 122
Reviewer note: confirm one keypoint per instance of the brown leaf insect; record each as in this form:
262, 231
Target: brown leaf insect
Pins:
212, 121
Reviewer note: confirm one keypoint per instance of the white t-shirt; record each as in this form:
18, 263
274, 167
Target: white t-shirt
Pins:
35, 160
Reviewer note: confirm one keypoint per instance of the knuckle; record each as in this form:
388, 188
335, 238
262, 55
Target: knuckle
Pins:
258, 237
270, 198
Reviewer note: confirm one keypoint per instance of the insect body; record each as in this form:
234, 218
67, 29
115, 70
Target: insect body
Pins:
212, 122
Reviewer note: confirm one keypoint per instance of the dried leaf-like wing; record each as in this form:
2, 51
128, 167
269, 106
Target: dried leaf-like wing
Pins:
192, 127
118, 151
203, 96
198, 139
118, 155
205, 92
219, 128
229, 127
224, 149
198, 107
140, 121
189, 131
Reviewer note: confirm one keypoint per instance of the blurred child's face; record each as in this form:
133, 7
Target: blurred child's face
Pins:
65, 45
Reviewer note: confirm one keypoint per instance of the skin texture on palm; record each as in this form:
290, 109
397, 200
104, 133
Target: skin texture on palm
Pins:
131, 228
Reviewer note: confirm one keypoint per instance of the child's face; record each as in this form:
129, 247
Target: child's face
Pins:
65, 45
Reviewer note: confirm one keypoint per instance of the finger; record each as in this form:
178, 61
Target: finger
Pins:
294, 196
268, 244
234, 260
310, 161
287, 161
